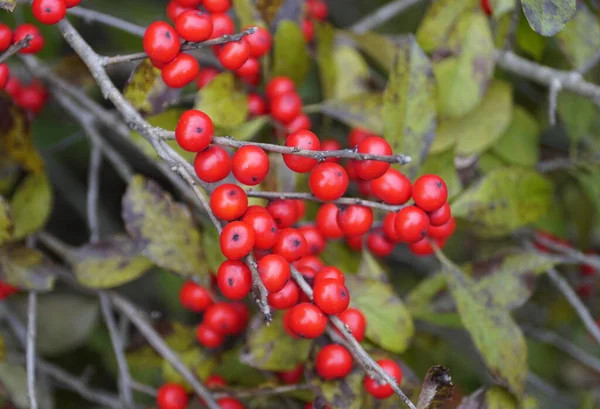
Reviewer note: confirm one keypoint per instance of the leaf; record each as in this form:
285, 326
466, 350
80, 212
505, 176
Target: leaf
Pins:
520, 143
268, 8
249, 129
352, 72
437, 388
290, 55
588, 180
8, 4
164, 229
425, 292
504, 200
195, 359
390, 324
463, 79
497, 337
439, 21
146, 91
31, 205
380, 48
13, 379
246, 13
345, 393
235, 372
548, 17
108, 263
325, 36
579, 116
341, 256
6, 223
530, 41
409, 104
580, 39
210, 239
501, 7
27, 268
270, 348
497, 397
362, 111
370, 269
443, 165
220, 99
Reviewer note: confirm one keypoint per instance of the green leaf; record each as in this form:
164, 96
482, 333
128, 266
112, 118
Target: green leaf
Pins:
370, 269
145, 89
496, 336
164, 229
195, 359
390, 324
580, 39
529, 41
13, 379
27, 268
345, 393
248, 129
497, 397
6, 223
8, 4
378, 47
463, 79
579, 116
489, 161
409, 110
246, 13
270, 348
338, 254
362, 111
31, 205
210, 239
425, 292
325, 36
108, 263
443, 165
520, 143
221, 100
352, 72
437, 388
290, 55
505, 200
588, 180
548, 17
501, 7
439, 21
235, 372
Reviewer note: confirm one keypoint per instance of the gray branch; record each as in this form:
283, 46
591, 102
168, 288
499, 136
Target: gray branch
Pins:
381, 15
30, 348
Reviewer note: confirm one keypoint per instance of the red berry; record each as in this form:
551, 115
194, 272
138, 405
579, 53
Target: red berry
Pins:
205, 76
444, 231
309, 261
217, 6
293, 376
237, 240
6, 290
317, 9
301, 207
161, 42
331, 296
223, 318
243, 313
5, 37
389, 226
486, 7
300, 123
208, 337
171, 396
357, 135
333, 362
194, 297
286, 298
189, 3
274, 271
355, 242
278, 86
234, 279
285, 107
174, 10
411, 224
13, 87
383, 390
423, 247
194, 25
32, 98
548, 236
228, 202
372, 169
264, 227
379, 244
355, 220
331, 145
230, 403
304, 140
314, 239
307, 320
330, 273
249, 69
440, 216
291, 245
256, 105
212, 164
355, 321
308, 30
4, 75
194, 130
260, 42
326, 220
222, 24
392, 187
430, 192
181, 71
234, 54
284, 212
350, 171
215, 381
48, 11
250, 165
364, 188
308, 273
328, 181
35, 45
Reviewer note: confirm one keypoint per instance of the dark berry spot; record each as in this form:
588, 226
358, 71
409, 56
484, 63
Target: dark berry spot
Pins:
423, 233
230, 282
273, 229
199, 129
254, 179
167, 34
438, 184
236, 237
339, 174
296, 242
48, 10
343, 294
314, 249
232, 193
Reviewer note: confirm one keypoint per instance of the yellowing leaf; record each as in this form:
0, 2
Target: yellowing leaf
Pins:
31, 205
290, 56
220, 99
344, 393
548, 17
6, 223
352, 72
529, 41
588, 180
363, 111
146, 91
27, 268
248, 129
194, 358
519, 144
439, 21
579, 116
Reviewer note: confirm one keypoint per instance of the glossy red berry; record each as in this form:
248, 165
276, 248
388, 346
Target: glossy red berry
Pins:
330, 273
372, 169
256, 105
422, 247
171, 396
284, 212
278, 86
215, 381
357, 135
228, 202
250, 69
301, 123
355, 321
274, 271
174, 10
4, 75
291, 245
304, 140
293, 376
236, 240
285, 107
6, 290
223, 318
217, 6
189, 3
379, 244
234, 279
317, 9
355, 242
234, 54
486, 6
250, 165
307, 320
308, 30
328, 181
440, 216
260, 42
389, 227
212, 164
230, 403
181, 71
301, 207
430, 192
161, 42
355, 220
72, 3
243, 313
286, 298
5, 37
392, 187
383, 390
331, 296
194, 297
194, 25
264, 227
309, 261
333, 362
444, 231
35, 45
194, 131
331, 145
411, 224
48, 11
205, 76
222, 24
314, 239
326, 220
208, 337
32, 98
13, 87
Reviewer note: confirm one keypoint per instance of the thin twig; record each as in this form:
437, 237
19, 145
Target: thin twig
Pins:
30, 348
146, 389
106, 19
553, 90
589, 259
551, 165
381, 15
15, 48
259, 391
94, 191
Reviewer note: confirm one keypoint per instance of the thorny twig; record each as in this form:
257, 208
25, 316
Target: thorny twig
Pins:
15, 48
30, 347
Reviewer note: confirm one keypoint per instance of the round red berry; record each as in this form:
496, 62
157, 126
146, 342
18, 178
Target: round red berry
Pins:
237, 240
441, 215
291, 245
194, 297
444, 231
161, 42
208, 337
285, 107
331, 296
309, 261
181, 71
357, 135
4, 75
230, 403
330, 273
243, 313
301, 207
430, 192
355, 220
286, 298
328, 181
355, 321
331, 145
174, 10
422, 247
274, 271
5, 37
264, 227
250, 165
293, 376
284, 212
48, 11
194, 131
383, 390
303, 140
392, 187
205, 76
278, 86
308, 273
72, 3
314, 239
171, 396
222, 24
301, 123
234, 279
228, 202
234, 54
379, 244
307, 320
194, 25
212, 164
217, 6
411, 224
317, 9
32, 98
35, 45
13, 87
189, 3
389, 226
249, 69
260, 42
486, 6
372, 169
333, 362
308, 30
215, 381
223, 318
256, 105
327, 221
6, 290
355, 242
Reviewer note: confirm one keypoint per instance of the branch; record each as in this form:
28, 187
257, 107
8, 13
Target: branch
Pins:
553, 90
93, 192
30, 347
90, 16
258, 391
591, 260
15, 48
381, 15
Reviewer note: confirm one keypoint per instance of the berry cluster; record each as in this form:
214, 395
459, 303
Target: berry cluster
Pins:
173, 396
315, 10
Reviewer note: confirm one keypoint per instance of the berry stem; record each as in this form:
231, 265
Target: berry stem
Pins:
15, 48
